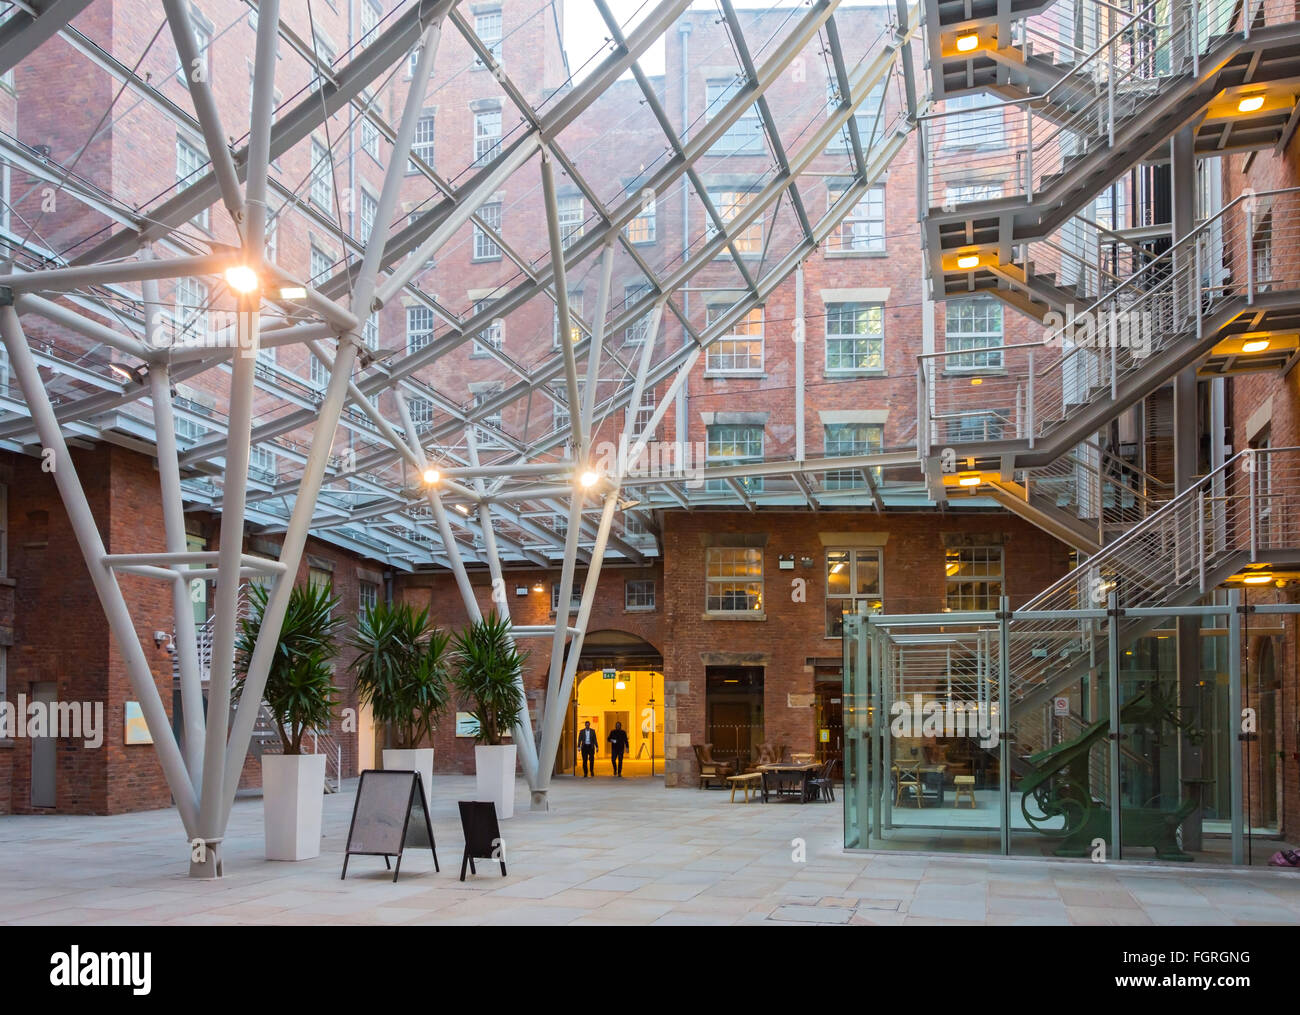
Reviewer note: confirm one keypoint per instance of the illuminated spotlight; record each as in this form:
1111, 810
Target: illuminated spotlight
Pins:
970, 479
1259, 578
968, 261
1257, 345
293, 292
589, 478
539, 587
965, 43
432, 476
620, 685
242, 279
1250, 103
128, 373
462, 509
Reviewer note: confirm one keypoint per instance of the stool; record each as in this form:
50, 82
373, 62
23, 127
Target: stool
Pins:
965, 786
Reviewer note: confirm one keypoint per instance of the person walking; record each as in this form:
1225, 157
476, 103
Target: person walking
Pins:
617, 745
587, 744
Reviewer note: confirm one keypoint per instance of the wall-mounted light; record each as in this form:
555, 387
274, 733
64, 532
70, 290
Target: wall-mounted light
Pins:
807, 562
785, 562
966, 43
538, 587
1250, 104
127, 373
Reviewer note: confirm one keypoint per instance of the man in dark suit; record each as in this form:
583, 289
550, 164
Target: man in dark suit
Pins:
617, 745
587, 744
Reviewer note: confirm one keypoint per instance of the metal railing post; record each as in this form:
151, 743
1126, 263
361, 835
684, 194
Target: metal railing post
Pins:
1196, 287
1029, 153
1250, 250
1029, 401
1196, 38
1200, 542
1252, 507
1115, 732
922, 423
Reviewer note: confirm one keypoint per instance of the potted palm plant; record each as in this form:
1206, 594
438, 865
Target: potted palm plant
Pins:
401, 674
487, 679
299, 696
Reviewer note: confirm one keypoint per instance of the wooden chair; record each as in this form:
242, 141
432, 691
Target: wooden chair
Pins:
710, 769
909, 779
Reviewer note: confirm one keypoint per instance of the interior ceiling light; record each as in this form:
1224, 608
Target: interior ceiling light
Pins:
432, 476
1250, 103
242, 279
969, 480
965, 43
1256, 345
1258, 578
968, 261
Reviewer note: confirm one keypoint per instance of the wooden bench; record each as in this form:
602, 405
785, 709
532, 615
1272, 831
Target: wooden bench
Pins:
745, 781
965, 786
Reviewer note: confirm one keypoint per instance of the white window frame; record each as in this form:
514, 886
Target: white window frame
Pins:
486, 143
724, 584
958, 339
423, 145
485, 247
836, 339
730, 205
321, 189
980, 556
483, 22
635, 599
849, 479
727, 435
862, 231
641, 228
733, 353
493, 335
417, 336
190, 160
746, 135
851, 558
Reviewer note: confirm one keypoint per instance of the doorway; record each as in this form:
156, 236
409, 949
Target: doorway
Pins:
733, 705
829, 709
609, 696
45, 759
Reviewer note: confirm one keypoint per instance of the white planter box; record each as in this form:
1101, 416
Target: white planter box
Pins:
419, 760
494, 777
293, 796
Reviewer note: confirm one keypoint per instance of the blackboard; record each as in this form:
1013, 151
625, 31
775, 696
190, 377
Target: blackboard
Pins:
389, 815
478, 820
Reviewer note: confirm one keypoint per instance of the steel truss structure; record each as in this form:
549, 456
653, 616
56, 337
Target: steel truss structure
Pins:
402, 491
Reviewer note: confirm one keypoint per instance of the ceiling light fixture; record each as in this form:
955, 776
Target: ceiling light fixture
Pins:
1250, 104
432, 476
293, 292
965, 43
1256, 345
970, 479
1258, 578
242, 279
968, 261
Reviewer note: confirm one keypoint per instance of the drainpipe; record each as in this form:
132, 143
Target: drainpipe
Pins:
683, 34
800, 340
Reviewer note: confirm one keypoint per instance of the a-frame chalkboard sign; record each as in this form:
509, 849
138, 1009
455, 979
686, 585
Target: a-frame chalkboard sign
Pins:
389, 815
478, 819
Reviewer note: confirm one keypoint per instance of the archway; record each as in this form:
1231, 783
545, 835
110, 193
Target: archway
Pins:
619, 680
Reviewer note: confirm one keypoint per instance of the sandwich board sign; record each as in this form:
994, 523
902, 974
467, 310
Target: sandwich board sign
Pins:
388, 816
478, 819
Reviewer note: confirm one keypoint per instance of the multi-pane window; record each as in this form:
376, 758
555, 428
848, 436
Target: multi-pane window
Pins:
636, 331
855, 336
745, 136
733, 579
734, 444
419, 327
575, 594
487, 26
369, 138
730, 205
321, 578
644, 413
854, 584
487, 135
369, 17
272, 236
320, 375
489, 434
869, 117
639, 595
322, 177
973, 578
641, 229
319, 264
191, 311
492, 334
862, 230
421, 412
188, 428
977, 122
850, 439
575, 312
569, 211
4, 549
190, 161
370, 332
263, 464
369, 209
485, 247
561, 415
367, 592
965, 193
741, 349
973, 324
422, 144
200, 69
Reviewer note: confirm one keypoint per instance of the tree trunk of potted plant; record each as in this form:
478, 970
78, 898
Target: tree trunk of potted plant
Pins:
300, 696
488, 667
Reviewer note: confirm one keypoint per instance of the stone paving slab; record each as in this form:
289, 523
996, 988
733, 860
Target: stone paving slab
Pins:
607, 853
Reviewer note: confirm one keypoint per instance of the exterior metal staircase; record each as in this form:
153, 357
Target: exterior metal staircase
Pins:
1219, 296
1056, 147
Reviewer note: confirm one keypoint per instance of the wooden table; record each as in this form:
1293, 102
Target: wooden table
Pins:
803, 769
916, 770
744, 782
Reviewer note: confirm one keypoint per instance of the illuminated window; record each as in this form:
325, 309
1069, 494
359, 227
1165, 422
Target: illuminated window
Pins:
733, 579
854, 584
973, 578
740, 350
731, 204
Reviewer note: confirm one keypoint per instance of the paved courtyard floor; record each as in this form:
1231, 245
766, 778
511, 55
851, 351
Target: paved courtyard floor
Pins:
608, 852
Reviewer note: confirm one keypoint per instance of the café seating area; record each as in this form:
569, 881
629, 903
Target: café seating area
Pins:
774, 773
